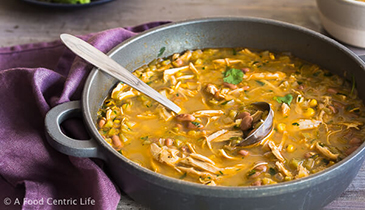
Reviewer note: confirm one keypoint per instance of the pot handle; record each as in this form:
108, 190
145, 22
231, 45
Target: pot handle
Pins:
63, 143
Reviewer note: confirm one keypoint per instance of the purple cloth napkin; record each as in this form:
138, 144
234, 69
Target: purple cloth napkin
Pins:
33, 175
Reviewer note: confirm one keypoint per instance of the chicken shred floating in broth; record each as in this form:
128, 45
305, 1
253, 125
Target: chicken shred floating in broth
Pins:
318, 117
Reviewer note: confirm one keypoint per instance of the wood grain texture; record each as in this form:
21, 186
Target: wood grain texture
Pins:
22, 23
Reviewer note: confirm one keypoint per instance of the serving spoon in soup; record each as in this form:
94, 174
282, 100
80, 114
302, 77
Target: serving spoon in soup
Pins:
111, 67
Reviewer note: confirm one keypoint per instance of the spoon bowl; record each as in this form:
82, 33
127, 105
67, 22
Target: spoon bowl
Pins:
264, 129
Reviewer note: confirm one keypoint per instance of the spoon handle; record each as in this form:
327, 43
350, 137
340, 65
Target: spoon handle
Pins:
108, 65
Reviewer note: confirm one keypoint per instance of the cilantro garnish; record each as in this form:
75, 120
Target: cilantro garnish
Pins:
195, 123
162, 50
286, 99
233, 76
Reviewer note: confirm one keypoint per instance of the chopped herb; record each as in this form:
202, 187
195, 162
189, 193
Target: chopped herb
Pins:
234, 52
272, 171
144, 137
233, 76
221, 172
325, 161
328, 74
195, 123
148, 83
321, 144
316, 73
295, 123
260, 83
314, 156
252, 172
299, 82
183, 176
162, 50
286, 99
224, 103
177, 94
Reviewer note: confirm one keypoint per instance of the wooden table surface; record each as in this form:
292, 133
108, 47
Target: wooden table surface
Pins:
22, 23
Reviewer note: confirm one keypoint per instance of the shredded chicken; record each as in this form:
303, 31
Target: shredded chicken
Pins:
191, 170
275, 150
326, 152
302, 172
216, 135
202, 158
258, 76
224, 154
282, 169
305, 124
164, 154
200, 165
228, 136
208, 113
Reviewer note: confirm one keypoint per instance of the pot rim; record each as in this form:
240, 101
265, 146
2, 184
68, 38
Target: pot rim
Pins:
353, 2
220, 191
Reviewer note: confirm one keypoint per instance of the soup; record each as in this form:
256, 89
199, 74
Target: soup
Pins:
318, 117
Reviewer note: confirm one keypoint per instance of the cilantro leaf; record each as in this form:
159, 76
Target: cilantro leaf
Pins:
286, 99
162, 50
233, 76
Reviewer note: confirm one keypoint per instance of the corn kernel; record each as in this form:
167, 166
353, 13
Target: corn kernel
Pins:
290, 148
272, 56
281, 127
313, 103
178, 74
309, 112
192, 133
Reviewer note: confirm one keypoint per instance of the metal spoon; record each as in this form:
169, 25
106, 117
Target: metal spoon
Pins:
264, 129
111, 67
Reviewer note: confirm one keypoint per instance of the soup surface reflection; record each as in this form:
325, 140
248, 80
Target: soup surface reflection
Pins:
318, 117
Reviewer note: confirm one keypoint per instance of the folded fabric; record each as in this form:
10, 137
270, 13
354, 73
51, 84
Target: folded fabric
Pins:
33, 175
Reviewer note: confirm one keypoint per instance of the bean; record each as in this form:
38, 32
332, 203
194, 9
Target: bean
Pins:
262, 168
242, 115
243, 152
246, 87
351, 149
178, 62
245, 70
333, 109
355, 141
116, 142
169, 142
101, 123
185, 117
256, 183
229, 85
332, 90
246, 123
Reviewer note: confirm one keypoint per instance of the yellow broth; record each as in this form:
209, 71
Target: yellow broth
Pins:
318, 117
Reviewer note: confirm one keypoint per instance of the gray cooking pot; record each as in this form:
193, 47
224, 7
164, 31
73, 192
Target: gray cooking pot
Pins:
160, 192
